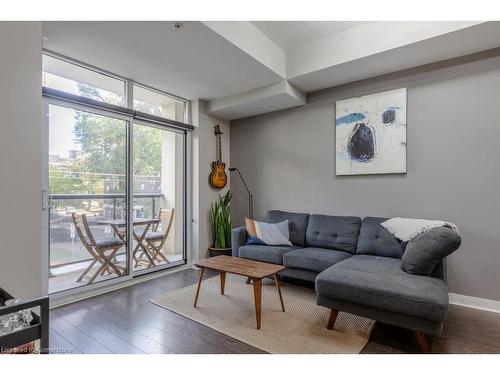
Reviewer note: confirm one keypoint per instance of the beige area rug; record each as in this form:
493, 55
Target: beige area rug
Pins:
301, 329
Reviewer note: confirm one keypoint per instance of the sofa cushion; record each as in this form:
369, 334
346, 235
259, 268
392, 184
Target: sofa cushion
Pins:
313, 258
263, 253
426, 250
381, 283
238, 238
333, 232
300, 276
297, 224
374, 239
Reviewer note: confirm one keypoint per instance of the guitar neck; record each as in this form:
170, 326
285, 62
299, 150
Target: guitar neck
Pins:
220, 148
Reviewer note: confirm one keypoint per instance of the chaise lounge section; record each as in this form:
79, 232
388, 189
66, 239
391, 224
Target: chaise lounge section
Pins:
355, 266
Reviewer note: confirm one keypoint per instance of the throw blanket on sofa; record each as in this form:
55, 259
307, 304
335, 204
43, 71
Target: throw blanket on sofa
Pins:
405, 229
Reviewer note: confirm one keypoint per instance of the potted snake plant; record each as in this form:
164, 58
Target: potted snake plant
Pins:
220, 216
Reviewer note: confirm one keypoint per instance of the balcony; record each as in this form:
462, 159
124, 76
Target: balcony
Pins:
69, 258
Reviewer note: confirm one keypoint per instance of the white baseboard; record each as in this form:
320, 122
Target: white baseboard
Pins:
474, 302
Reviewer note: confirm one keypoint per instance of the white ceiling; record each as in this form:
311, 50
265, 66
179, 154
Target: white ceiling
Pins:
437, 46
291, 34
243, 68
193, 62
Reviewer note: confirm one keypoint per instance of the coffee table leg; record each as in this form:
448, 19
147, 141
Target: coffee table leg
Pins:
257, 296
222, 282
199, 285
277, 282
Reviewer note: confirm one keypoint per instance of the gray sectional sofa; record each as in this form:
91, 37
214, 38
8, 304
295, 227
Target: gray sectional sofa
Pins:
355, 266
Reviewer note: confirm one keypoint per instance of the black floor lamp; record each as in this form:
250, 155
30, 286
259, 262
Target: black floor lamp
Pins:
250, 196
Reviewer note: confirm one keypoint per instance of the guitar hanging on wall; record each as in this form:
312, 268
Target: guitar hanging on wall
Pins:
218, 176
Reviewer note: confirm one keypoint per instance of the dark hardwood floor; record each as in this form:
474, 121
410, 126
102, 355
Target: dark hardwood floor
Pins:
124, 321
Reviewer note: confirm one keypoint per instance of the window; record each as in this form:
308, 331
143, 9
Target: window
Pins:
158, 104
158, 188
113, 176
74, 79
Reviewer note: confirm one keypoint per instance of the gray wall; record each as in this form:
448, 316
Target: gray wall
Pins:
453, 164
21, 263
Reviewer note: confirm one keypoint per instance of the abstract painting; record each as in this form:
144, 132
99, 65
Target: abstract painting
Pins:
370, 134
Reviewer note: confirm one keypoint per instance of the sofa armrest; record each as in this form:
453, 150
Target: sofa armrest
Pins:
238, 238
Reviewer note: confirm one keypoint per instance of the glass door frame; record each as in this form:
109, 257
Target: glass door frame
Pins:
164, 127
129, 122
47, 101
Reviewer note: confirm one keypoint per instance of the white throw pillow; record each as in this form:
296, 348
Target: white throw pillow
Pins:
267, 234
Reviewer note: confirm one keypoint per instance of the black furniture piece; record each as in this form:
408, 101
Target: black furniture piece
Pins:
39, 327
356, 266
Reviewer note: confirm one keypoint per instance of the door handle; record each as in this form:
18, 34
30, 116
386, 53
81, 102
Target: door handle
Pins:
45, 200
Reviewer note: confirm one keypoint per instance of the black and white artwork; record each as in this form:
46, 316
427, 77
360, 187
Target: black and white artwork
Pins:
370, 134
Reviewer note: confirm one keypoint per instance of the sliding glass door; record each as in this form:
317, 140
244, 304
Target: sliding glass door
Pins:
92, 156
115, 176
87, 185
158, 199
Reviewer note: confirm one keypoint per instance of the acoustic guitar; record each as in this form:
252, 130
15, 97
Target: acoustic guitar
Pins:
218, 176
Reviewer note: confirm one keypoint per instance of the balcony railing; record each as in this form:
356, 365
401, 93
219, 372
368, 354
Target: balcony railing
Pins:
65, 247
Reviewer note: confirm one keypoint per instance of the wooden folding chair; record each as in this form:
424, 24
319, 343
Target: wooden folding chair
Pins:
102, 251
156, 239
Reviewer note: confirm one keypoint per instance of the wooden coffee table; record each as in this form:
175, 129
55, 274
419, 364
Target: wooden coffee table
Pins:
253, 270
